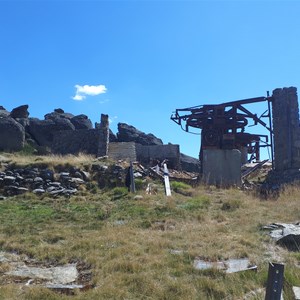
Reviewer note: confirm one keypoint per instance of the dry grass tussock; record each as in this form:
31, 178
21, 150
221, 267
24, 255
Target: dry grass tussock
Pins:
145, 249
20, 159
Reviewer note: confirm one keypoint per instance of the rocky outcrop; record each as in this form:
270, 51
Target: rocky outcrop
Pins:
129, 133
63, 133
58, 113
3, 112
82, 122
20, 112
12, 134
189, 164
43, 131
112, 137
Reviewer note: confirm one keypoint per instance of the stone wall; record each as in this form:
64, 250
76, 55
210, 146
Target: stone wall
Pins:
81, 140
286, 129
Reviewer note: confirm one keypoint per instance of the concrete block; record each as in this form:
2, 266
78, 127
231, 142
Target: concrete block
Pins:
222, 167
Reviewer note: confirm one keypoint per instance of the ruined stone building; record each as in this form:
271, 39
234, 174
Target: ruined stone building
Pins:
63, 133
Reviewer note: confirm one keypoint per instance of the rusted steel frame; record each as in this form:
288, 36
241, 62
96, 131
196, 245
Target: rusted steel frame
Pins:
253, 116
246, 101
232, 103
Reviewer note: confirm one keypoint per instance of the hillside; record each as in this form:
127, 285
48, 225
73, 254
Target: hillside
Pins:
137, 246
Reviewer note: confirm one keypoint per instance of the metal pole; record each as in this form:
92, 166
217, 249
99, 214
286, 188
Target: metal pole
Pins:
275, 281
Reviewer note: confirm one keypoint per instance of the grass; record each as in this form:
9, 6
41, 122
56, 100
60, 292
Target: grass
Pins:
144, 249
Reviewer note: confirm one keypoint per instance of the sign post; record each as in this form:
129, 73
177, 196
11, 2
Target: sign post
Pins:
167, 181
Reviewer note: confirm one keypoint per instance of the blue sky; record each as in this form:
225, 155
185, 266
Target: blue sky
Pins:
138, 61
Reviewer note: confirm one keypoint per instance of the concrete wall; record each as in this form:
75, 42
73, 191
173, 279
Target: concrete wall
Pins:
150, 154
286, 129
222, 167
123, 150
145, 154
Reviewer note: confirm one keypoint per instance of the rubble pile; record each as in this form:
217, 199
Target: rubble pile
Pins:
39, 181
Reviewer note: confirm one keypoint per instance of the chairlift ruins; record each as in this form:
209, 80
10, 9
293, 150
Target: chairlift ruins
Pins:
223, 132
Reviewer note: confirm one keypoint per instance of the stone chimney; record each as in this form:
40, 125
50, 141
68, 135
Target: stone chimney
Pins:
286, 129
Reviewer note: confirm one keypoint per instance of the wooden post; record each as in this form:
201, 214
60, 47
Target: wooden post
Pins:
275, 282
132, 183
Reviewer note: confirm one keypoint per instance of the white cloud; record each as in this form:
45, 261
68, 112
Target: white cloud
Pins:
78, 97
88, 90
111, 120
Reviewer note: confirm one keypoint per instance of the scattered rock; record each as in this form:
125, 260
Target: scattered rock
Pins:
229, 266
62, 274
39, 191
286, 235
296, 291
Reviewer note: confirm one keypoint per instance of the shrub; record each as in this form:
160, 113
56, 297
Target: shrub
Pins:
197, 203
231, 205
139, 184
177, 185
118, 192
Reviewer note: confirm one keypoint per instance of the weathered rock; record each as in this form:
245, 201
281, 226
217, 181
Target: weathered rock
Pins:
22, 190
69, 191
286, 235
3, 112
129, 133
43, 131
85, 175
12, 135
82, 122
20, 112
230, 265
11, 190
38, 191
62, 274
296, 291
9, 180
55, 184
112, 137
77, 180
58, 114
24, 122
50, 189
189, 164
57, 192
47, 174
38, 179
